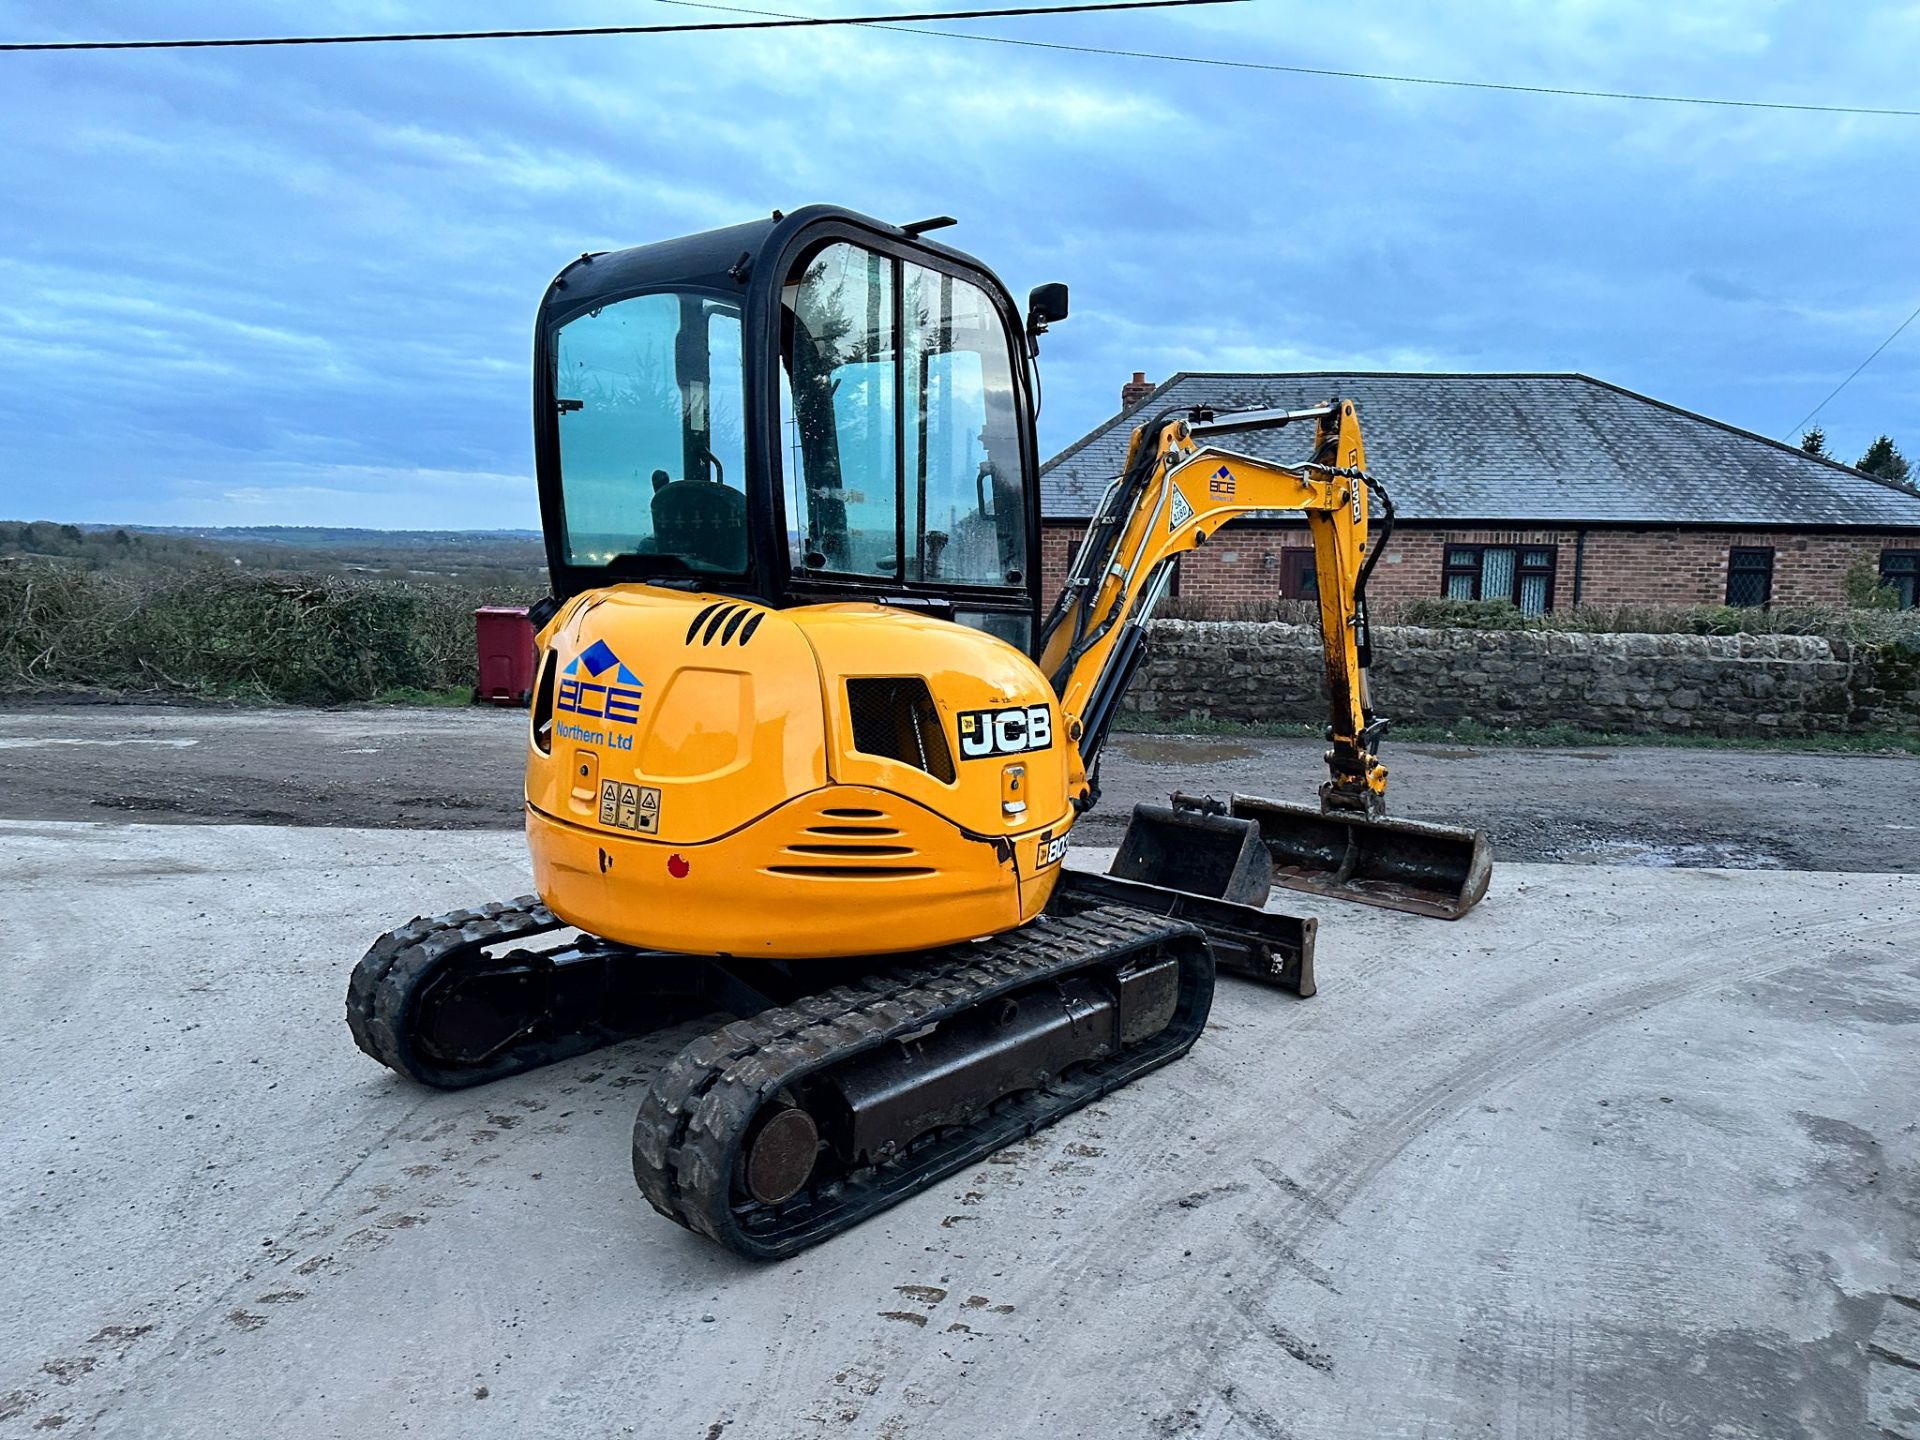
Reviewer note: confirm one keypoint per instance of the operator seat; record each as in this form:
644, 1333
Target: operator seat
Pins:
703, 520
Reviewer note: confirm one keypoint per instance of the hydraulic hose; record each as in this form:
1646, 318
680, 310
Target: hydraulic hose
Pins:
1098, 553
1363, 641
1386, 534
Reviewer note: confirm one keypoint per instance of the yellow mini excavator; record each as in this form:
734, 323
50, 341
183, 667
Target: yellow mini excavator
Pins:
807, 744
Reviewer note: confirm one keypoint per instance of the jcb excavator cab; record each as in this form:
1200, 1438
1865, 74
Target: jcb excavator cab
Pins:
808, 408
775, 461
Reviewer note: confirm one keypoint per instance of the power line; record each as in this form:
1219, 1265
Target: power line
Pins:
1801, 428
1214, 60
785, 22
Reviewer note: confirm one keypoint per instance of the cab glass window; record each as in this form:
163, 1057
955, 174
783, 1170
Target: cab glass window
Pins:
649, 393
902, 449
963, 497
840, 419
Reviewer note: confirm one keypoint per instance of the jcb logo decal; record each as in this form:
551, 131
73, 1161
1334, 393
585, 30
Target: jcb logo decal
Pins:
1005, 732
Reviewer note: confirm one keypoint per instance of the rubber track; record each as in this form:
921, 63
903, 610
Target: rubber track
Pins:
695, 1115
381, 991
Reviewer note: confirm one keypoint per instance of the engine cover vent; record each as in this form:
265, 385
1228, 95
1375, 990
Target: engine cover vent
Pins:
724, 622
895, 717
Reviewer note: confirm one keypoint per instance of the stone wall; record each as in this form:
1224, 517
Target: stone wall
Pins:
1731, 685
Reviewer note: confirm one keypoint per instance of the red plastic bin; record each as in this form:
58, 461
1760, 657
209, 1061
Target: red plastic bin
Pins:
505, 638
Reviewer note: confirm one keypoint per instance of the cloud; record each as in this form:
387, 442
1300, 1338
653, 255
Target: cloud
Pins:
301, 283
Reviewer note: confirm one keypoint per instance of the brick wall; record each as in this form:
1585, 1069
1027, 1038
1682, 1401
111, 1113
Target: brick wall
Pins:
1730, 685
1058, 541
1242, 564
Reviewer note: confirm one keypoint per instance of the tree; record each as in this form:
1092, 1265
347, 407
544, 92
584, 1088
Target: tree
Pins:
1814, 442
1883, 458
1866, 590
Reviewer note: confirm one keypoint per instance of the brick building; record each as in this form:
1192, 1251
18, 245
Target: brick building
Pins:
1547, 490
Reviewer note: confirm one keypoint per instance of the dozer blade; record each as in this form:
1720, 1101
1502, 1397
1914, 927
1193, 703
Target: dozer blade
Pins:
1256, 944
1214, 855
1401, 864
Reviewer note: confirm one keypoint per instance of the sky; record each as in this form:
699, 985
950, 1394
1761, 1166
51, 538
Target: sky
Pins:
296, 286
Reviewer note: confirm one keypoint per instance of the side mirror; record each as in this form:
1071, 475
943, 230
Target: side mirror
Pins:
1045, 304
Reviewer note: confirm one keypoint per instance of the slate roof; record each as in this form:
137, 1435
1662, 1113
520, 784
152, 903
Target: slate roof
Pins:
1561, 448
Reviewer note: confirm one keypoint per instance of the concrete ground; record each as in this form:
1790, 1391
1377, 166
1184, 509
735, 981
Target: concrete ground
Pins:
461, 769
1625, 1152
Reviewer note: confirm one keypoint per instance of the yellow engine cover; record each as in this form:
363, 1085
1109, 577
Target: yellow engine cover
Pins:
711, 776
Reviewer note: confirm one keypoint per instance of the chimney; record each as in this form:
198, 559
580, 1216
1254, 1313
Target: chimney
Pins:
1135, 390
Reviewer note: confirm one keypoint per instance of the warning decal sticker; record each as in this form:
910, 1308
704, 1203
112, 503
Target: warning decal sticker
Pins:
631, 807
1180, 512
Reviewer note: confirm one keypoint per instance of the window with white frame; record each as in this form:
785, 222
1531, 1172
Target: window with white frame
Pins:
1522, 575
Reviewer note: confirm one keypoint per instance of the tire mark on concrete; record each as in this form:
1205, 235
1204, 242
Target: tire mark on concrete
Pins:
1294, 1190
1510, 1048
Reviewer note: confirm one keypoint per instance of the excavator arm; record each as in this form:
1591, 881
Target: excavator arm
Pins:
1178, 489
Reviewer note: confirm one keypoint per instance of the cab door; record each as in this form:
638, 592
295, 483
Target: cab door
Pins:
905, 440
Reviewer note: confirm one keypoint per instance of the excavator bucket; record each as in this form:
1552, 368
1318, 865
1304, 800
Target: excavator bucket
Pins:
1214, 855
1401, 864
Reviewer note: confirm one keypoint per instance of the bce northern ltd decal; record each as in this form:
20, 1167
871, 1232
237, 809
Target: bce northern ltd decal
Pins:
1013, 731
596, 684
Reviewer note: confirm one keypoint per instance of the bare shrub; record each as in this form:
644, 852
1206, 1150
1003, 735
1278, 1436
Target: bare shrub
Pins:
278, 637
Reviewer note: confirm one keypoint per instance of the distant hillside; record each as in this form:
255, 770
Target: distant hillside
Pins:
94, 547
507, 560
333, 537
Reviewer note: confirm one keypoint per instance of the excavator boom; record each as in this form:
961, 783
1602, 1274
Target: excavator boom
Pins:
1177, 490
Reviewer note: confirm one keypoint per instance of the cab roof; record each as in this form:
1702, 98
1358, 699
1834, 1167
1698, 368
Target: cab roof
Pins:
721, 260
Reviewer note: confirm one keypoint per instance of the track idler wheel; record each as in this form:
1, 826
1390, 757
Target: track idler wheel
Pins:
781, 1155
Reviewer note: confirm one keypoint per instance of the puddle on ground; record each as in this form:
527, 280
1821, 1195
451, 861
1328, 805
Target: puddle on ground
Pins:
1430, 753
1690, 855
1181, 749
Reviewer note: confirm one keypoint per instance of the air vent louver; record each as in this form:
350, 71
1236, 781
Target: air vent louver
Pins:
895, 717
724, 622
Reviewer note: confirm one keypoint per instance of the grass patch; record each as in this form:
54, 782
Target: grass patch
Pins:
1547, 737
446, 697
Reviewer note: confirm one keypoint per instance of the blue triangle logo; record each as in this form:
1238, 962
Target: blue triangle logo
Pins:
598, 658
